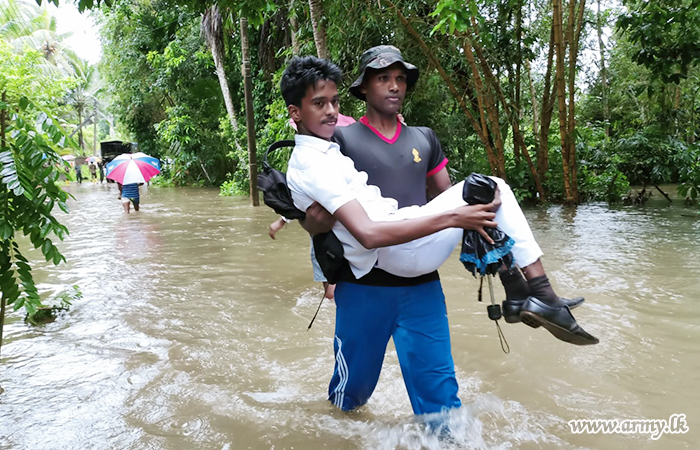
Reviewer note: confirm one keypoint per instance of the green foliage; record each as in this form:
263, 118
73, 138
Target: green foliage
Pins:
46, 312
29, 171
161, 181
690, 174
650, 156
667, 33
164, 88
230, 188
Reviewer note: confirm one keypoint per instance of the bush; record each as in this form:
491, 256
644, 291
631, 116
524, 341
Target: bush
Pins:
47, 312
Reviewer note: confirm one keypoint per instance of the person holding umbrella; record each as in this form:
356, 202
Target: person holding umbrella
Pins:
130, 170
130, 194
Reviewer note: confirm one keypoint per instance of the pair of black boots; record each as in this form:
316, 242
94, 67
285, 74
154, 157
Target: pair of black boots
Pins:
534, 303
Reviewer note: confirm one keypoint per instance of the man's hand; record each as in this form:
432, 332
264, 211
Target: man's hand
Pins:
476, 217
318, 220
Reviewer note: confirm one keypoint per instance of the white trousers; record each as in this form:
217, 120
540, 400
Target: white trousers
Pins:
428, 253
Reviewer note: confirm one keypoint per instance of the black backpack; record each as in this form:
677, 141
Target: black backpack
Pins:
273, 183
276, 195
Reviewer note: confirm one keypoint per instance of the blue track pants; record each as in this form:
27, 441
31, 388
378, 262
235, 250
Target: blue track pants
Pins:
416, 318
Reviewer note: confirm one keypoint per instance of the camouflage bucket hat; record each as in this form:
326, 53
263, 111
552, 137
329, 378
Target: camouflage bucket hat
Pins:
380, 57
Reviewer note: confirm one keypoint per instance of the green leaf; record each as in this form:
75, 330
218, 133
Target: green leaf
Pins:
6, 231
57, 257
46, 247
19, 303
23, 103
45, 229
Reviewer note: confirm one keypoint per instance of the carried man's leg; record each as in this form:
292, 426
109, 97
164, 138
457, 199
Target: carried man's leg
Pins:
533, 299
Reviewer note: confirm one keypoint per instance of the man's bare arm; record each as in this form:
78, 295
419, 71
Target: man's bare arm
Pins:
318, 220
382, 234
438, 183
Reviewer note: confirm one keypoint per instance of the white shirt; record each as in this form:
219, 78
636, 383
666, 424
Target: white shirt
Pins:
318, 172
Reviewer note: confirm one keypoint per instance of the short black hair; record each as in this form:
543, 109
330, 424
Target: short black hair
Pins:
305, 71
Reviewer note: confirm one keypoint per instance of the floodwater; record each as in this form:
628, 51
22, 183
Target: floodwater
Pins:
192, 334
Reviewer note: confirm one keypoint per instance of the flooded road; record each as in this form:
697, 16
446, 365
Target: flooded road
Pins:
192, 334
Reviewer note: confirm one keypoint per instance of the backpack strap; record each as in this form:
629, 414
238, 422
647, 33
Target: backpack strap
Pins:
275, 146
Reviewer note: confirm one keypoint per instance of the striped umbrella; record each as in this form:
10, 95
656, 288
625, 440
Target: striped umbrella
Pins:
130, 168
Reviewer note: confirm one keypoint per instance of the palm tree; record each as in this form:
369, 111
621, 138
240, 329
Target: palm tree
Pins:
14, 18
212, 29
83, 98
26, 25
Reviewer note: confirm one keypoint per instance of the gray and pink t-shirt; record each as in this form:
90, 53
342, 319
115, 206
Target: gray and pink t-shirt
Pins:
413, 154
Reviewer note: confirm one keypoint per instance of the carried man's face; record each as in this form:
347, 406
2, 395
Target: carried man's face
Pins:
318, 114
385, 89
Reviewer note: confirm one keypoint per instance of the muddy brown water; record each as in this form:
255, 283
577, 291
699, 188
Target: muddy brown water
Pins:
191, 334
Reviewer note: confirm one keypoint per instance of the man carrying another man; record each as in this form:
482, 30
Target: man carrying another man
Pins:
405, 162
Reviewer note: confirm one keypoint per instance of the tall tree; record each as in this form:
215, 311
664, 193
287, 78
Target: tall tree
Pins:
213, 31
547, 111
567, 119
464, 26
250, 117
603, 71
294, 29
317, 21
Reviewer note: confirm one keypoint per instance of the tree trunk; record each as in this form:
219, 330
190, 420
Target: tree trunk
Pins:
294, 28
575, 27
535, 113
3, 118
518, 69
561, 93
94, 128
212, 28
316, 10
249, 116
548, 98
512, 117
487, 108
80, 132
603, 74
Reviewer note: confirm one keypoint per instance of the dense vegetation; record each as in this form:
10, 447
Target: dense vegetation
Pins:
568, 110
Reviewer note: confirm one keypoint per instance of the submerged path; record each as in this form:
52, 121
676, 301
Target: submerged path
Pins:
192, 334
